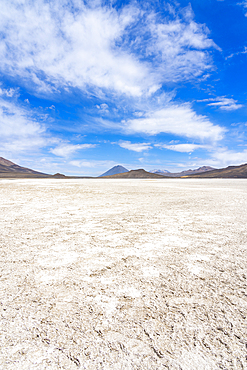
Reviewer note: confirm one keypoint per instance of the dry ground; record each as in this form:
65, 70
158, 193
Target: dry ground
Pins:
123, 274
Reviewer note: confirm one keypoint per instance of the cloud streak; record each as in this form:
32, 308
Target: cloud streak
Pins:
66, 150
136, 147
237, 53
183, 148
179, 120
223, 103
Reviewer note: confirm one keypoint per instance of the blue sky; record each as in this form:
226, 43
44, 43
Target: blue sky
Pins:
86, 85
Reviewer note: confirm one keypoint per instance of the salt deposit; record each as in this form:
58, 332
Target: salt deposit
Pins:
123, 274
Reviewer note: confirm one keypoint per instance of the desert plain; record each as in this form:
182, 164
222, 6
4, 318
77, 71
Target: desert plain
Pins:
123, 274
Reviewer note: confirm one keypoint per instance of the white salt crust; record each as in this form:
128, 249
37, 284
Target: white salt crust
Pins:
123, 274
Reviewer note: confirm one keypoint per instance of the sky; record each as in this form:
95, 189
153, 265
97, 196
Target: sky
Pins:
86, 85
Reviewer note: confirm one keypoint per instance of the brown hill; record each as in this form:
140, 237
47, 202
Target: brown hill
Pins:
5, 162
21, 175
9, 169
135, 174
228, 173
202, 169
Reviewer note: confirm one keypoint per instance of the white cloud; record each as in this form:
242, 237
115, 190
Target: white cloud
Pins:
136, 147
69, 44
178, 120
78, 163
244, 4
65, 150
100, 165
180, 44
225, 103
225, 157
221, 157
20, 129
8, 92
182, 148
237, 53
58, 44
103, 108
54, 43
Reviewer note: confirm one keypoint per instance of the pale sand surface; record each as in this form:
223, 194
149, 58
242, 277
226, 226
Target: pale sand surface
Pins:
123, 274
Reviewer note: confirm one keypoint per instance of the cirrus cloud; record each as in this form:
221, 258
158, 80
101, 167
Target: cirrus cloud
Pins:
66, 150
66, 44
180, 46
223, 103
182, 148
136, 147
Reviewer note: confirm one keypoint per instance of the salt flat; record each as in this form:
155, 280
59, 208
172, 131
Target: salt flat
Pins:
123, 274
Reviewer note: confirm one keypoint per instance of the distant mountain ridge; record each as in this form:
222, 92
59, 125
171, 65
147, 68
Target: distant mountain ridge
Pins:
114, 171
136, 174
199, 170
160, 172
206, 172
9, 169
230, 172
184, 173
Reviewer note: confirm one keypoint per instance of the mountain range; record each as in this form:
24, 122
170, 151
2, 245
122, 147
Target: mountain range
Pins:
187, 172
160, 172
135, 174
228, 172
234, 172
120, 169
9, 169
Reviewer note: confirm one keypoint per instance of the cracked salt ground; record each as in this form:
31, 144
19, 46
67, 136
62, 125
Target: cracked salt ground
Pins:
123, 274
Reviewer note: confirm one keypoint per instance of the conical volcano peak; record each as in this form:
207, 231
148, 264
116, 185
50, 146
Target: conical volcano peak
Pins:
114, 171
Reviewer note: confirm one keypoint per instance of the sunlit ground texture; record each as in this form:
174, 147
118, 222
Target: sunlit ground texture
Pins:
123, 274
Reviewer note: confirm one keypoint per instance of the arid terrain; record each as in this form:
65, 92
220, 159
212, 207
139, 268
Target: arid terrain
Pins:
123, 274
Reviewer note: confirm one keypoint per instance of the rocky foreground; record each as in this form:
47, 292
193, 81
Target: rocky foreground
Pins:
123, 274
